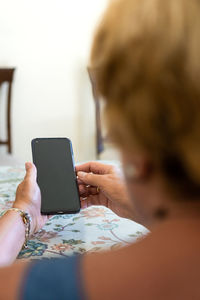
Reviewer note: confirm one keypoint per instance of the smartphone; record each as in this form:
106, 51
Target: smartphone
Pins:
56, 177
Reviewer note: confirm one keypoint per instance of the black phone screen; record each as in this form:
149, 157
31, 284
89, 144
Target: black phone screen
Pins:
53, 158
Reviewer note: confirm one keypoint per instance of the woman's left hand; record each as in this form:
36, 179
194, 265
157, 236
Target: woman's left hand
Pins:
28, 198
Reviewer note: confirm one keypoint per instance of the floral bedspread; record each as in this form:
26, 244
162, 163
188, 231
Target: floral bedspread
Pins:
93, 229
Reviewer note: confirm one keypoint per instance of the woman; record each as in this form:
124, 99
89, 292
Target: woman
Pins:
146, 60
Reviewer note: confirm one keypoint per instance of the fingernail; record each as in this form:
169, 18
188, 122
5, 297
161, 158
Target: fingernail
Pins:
27, 165
81, 174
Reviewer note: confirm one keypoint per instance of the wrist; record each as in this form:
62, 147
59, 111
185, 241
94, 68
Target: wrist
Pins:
26, 208
25, 219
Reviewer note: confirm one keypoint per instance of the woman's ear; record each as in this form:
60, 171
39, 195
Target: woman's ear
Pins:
136, 167
131, 172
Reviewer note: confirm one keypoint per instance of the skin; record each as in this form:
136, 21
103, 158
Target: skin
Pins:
150, 271
112, 192
164, 265
12, 229
133, 199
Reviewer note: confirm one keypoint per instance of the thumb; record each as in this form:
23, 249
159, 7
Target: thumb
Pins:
91, 179
31, 172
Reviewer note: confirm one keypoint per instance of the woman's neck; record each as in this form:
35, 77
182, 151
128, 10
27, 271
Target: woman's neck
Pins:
176, 210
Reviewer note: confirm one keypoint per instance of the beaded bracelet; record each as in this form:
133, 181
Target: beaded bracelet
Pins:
26, 218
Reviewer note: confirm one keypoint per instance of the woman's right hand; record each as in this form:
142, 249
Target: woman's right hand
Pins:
102, 184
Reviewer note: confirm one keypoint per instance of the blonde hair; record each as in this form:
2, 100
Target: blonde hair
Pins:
146, 57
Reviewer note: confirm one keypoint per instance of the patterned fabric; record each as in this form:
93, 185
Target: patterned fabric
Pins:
93, 229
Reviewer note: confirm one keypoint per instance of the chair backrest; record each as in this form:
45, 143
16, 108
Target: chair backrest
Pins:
99, 137
6, 76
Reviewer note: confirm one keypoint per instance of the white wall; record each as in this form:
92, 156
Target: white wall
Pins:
48, 41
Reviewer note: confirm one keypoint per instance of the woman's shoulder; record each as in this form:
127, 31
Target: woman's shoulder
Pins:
163, 265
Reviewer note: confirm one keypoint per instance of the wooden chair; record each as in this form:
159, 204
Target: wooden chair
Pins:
99, 136
6, 76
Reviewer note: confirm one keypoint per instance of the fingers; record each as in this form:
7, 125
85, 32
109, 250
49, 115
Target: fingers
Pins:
89, 201
94, 167
31, 172
91, 179
83, 204
88, 196
79, 181
85, 191
86, 202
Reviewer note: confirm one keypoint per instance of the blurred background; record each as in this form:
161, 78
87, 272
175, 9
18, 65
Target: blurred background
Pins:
48, 42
